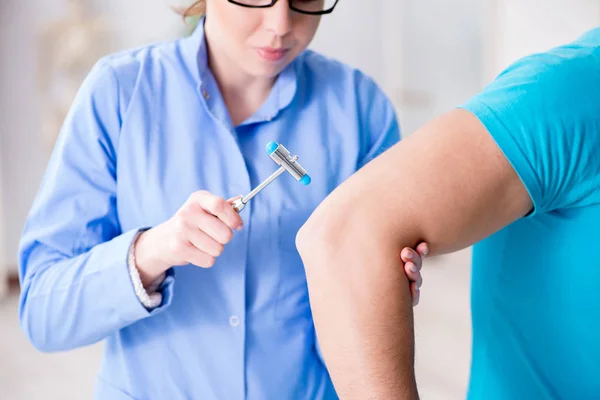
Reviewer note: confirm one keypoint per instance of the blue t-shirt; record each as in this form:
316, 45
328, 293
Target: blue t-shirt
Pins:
536, 283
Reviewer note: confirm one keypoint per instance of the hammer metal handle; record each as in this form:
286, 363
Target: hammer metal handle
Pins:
239, 204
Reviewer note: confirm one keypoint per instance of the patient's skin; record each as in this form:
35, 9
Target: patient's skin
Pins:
361, 302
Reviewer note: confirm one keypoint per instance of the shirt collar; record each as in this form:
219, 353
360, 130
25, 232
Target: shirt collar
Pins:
195, 56
193, 51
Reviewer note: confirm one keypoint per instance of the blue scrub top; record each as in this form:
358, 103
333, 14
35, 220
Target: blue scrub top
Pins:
147, 129
536, 283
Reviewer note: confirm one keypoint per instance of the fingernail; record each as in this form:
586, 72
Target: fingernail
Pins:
239, 227
413, 268
409, 255
426, 251
417, 289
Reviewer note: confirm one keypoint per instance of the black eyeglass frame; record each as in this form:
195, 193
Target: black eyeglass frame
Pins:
272, 3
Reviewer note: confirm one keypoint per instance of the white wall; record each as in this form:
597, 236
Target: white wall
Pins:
3, 266
22, 153
426, 55
139, 22
3, 133
446, 51
516, 28
353, 34
440, 57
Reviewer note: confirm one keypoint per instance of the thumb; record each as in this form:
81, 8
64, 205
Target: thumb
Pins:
231, 200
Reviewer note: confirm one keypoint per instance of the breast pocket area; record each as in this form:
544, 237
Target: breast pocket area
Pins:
292, 295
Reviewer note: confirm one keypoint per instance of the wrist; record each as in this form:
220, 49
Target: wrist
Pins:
149, 265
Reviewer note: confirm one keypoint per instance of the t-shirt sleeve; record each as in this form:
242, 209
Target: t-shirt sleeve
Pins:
544, 114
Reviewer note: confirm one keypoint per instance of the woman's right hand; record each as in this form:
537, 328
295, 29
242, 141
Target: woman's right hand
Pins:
196, 234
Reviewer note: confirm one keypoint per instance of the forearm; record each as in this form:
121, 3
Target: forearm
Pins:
73, 302
362, 311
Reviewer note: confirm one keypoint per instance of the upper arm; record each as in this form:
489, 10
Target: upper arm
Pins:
75, 207
526, 143
447, 184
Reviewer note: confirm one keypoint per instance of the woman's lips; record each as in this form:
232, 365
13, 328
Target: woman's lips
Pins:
272, 54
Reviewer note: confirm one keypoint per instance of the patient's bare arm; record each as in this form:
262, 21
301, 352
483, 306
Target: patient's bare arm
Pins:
447, 184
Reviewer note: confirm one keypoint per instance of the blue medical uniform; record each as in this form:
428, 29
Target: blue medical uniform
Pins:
146, 130
536, 283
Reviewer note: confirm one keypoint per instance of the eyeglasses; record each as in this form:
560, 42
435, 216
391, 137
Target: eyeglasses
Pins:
312, 7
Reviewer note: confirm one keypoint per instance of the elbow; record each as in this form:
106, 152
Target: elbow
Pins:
343, 243
39, 334
305, 242
305, 239
44, 331
33, 310
314, 237
322, 256
34, 330
324, 242
43, 346
33, 327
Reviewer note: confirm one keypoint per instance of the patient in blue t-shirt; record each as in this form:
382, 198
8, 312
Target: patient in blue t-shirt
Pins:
515, 171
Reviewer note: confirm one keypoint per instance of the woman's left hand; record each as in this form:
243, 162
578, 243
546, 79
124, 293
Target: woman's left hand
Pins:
413, 260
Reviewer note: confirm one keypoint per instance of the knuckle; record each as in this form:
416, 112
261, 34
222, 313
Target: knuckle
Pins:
186, 209
177, 250
220, 248
180, 247
197, 260
190, 200
228, 235
180, 236
195, 200
210, 261
192, 208
180, 223
219, 206
198, 194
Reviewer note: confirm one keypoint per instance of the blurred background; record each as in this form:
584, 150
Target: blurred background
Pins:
427, 55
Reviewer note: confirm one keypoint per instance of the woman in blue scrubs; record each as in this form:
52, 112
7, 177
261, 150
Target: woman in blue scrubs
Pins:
138, 192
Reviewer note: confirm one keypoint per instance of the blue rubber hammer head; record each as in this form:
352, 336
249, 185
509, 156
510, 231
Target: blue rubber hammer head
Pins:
282, 157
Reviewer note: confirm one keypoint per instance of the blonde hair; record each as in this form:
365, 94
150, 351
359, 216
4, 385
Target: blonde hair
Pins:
196, 9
